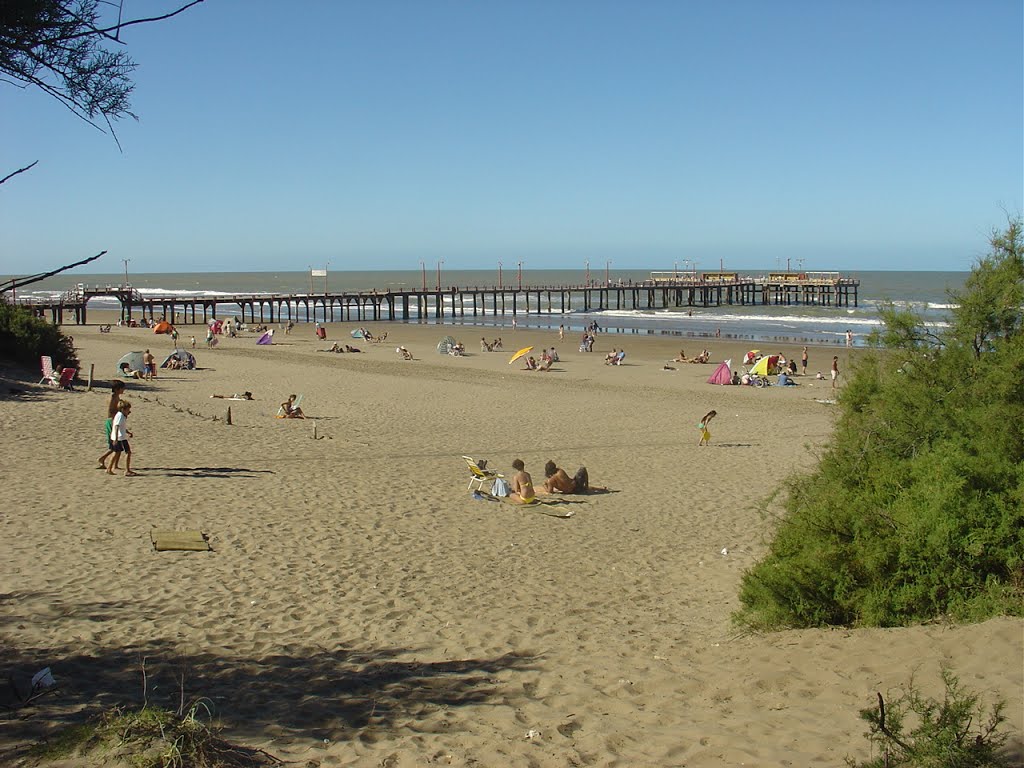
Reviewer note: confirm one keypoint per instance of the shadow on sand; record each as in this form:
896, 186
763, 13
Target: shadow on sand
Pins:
336, 695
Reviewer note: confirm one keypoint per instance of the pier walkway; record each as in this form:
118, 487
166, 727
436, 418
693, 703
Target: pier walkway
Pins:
827, 289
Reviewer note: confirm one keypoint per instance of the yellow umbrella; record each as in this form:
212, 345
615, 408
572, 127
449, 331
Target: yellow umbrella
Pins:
519, 354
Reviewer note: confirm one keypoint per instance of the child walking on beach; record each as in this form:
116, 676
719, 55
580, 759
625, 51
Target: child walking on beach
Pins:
116, 390
119, 435
705, 436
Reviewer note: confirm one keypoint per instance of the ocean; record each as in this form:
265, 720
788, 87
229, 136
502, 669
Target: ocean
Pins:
927, 292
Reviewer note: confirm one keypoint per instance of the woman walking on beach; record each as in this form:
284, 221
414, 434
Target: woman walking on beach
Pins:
705, 436
116, 390
835, 370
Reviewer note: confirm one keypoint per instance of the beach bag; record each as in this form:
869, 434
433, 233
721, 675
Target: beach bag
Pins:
500, 487
582, 480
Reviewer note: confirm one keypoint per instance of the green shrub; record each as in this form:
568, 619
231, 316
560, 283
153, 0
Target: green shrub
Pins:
25, 338
916, 508
954, 733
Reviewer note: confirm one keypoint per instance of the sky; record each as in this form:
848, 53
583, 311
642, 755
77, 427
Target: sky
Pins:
373, 135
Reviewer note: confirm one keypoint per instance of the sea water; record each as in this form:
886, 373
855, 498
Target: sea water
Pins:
926, 292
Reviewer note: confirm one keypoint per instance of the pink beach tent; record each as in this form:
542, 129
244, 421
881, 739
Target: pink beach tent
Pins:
266, 338
722, 374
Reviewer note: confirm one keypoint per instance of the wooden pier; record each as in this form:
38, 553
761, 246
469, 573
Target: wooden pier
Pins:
704, 290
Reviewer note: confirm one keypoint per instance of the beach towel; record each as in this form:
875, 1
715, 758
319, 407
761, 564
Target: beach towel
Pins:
549, 507
187, 541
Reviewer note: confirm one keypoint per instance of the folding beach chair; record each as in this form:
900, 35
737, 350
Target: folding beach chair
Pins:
47, 365
480, 475
67, 378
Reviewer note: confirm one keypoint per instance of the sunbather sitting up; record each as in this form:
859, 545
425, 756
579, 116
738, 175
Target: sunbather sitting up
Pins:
292, 411
521, 489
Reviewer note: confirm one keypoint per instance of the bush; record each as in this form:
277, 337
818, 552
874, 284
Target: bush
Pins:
25, 338
953, 733
916, 508
152, 737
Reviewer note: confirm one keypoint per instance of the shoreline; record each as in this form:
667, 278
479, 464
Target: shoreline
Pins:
533, 323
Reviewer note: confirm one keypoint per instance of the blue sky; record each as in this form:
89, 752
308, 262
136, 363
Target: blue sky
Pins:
852, 135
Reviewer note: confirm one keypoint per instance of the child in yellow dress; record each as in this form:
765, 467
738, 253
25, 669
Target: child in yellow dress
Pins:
705, 436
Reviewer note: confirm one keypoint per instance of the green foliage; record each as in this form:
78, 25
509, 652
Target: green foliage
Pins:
953, 733
25, 338
916, 509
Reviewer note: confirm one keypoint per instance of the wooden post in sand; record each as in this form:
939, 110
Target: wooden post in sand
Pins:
91, 367
229, 415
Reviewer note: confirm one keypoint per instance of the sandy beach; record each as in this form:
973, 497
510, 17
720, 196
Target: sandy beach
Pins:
360, 608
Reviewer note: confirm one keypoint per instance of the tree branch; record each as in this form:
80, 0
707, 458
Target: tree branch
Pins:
881, 724
105, 31
19, 282
20, 170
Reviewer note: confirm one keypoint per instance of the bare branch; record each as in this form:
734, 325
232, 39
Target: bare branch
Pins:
20, 170
19, 282
881, 723
105, 31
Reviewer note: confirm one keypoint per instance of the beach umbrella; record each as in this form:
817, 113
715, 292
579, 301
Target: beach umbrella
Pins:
766, 365
520, 353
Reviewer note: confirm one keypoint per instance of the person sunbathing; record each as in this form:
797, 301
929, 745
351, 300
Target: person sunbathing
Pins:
557, 480
680, 358
521, 489
127, 371
235, 396
290, 410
